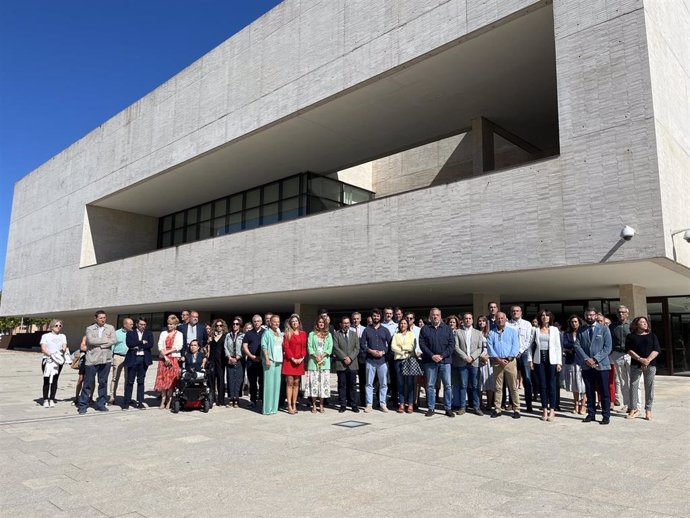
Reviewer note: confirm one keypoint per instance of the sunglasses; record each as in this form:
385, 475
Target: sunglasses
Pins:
235, 323
57, 325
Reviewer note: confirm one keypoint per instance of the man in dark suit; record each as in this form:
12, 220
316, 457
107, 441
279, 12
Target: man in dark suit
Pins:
593, 348
193, 330
346, 350
139, 342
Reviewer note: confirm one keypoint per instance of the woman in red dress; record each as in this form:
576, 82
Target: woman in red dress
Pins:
294, 352
168, 372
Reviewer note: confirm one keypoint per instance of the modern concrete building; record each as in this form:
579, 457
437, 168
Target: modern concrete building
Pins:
351, 153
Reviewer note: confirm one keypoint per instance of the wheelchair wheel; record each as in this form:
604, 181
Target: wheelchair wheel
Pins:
175, 406
207, 405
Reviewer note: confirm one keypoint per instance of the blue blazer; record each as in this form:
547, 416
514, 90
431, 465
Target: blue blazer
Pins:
201, 335
135, 345
598, 348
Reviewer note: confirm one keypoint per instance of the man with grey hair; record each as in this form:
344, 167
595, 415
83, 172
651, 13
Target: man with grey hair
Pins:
100, 338
620, 361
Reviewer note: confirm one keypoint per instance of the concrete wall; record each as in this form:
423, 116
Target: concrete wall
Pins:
668, 36
563, 211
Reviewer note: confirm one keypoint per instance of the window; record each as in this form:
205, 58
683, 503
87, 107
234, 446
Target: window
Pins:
290, 198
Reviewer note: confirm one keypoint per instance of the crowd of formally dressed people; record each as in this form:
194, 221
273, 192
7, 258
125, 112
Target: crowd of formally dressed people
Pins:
480, 365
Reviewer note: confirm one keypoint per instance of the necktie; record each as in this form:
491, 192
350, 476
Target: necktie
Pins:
591, 333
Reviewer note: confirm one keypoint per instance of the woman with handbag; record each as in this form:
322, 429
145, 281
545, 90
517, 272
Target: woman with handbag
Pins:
406, 365
55, 352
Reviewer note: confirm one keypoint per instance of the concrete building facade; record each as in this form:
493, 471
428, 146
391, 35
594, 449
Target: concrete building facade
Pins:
506, 144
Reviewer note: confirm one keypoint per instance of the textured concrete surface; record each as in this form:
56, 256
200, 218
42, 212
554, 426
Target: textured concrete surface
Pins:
234, 462
306, 51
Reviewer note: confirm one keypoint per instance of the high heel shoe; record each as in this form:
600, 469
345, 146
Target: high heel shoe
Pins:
632, 414
648, 415
552, 415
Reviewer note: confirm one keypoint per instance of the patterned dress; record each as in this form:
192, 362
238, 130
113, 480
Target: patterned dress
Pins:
318, 380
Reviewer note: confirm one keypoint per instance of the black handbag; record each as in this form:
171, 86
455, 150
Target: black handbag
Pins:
411, 367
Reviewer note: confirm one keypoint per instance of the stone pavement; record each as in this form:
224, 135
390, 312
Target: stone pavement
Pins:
235, 462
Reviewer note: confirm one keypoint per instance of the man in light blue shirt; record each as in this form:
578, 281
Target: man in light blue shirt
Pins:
504, 345
119, 352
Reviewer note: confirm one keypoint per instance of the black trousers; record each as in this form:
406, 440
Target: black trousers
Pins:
138, 371
255, 375
346, 387
217, 379
47, 384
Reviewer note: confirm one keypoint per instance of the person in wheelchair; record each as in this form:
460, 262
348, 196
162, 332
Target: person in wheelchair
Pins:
194, 360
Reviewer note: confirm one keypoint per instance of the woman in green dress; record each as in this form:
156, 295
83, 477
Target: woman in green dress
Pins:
272, 356
318, 378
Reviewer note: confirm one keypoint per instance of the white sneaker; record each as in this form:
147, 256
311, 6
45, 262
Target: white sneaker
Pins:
45, 403
51, 403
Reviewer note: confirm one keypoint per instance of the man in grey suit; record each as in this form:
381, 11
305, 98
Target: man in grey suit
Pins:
346, 350
593, 348
468, 348
100, 338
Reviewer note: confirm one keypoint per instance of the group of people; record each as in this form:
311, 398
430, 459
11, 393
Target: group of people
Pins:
596, 361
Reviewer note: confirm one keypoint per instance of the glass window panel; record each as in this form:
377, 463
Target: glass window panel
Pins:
235, 222
252, 218
253, 198
596, 304
166, 239
190, 233
271, 193
236, 203
290, 209
352, 195
220, 207
270, 213
555, 307
679, 305
291, 187
219, 226
179, 220
573, 309
205, 212
167, 223
654, 307
325, 188
192, 215
321, 204
178, 236
205, 229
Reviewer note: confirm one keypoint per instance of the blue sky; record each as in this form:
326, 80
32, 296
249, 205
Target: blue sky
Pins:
68, 66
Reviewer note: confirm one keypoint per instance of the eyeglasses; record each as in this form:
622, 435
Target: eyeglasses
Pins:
219, 325
57, 325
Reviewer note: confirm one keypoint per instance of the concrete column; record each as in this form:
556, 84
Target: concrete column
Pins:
307, 312
480, 303
635, 298
483, 146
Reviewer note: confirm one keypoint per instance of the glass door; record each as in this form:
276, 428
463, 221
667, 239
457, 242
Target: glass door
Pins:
679, 339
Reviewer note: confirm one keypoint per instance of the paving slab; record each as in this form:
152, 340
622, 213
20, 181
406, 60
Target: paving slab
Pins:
233, 462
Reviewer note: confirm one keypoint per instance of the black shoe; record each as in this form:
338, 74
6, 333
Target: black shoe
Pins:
589, 419
605, 420
461, 411
529, 409
450, 413
82, 412
429, 413
495, 414
478, 411
341, 409
516, 415
252, 404
125, 407
103, 409
142, 406
355, 409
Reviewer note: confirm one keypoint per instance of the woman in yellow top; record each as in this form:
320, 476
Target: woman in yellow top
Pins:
403, 347
319, 348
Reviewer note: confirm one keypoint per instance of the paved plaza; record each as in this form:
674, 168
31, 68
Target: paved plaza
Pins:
236, 462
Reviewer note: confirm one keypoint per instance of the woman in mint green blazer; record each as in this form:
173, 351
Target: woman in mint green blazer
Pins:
272, 357
318, 376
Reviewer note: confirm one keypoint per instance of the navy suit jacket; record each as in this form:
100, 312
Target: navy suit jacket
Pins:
201, 335
135, 345
598, 348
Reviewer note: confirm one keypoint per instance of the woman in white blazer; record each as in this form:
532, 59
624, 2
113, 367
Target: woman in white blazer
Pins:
546, 361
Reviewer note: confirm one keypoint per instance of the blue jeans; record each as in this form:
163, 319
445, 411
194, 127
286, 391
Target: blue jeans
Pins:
101, 370
432, 370
382, 371
405, 385
467, 385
